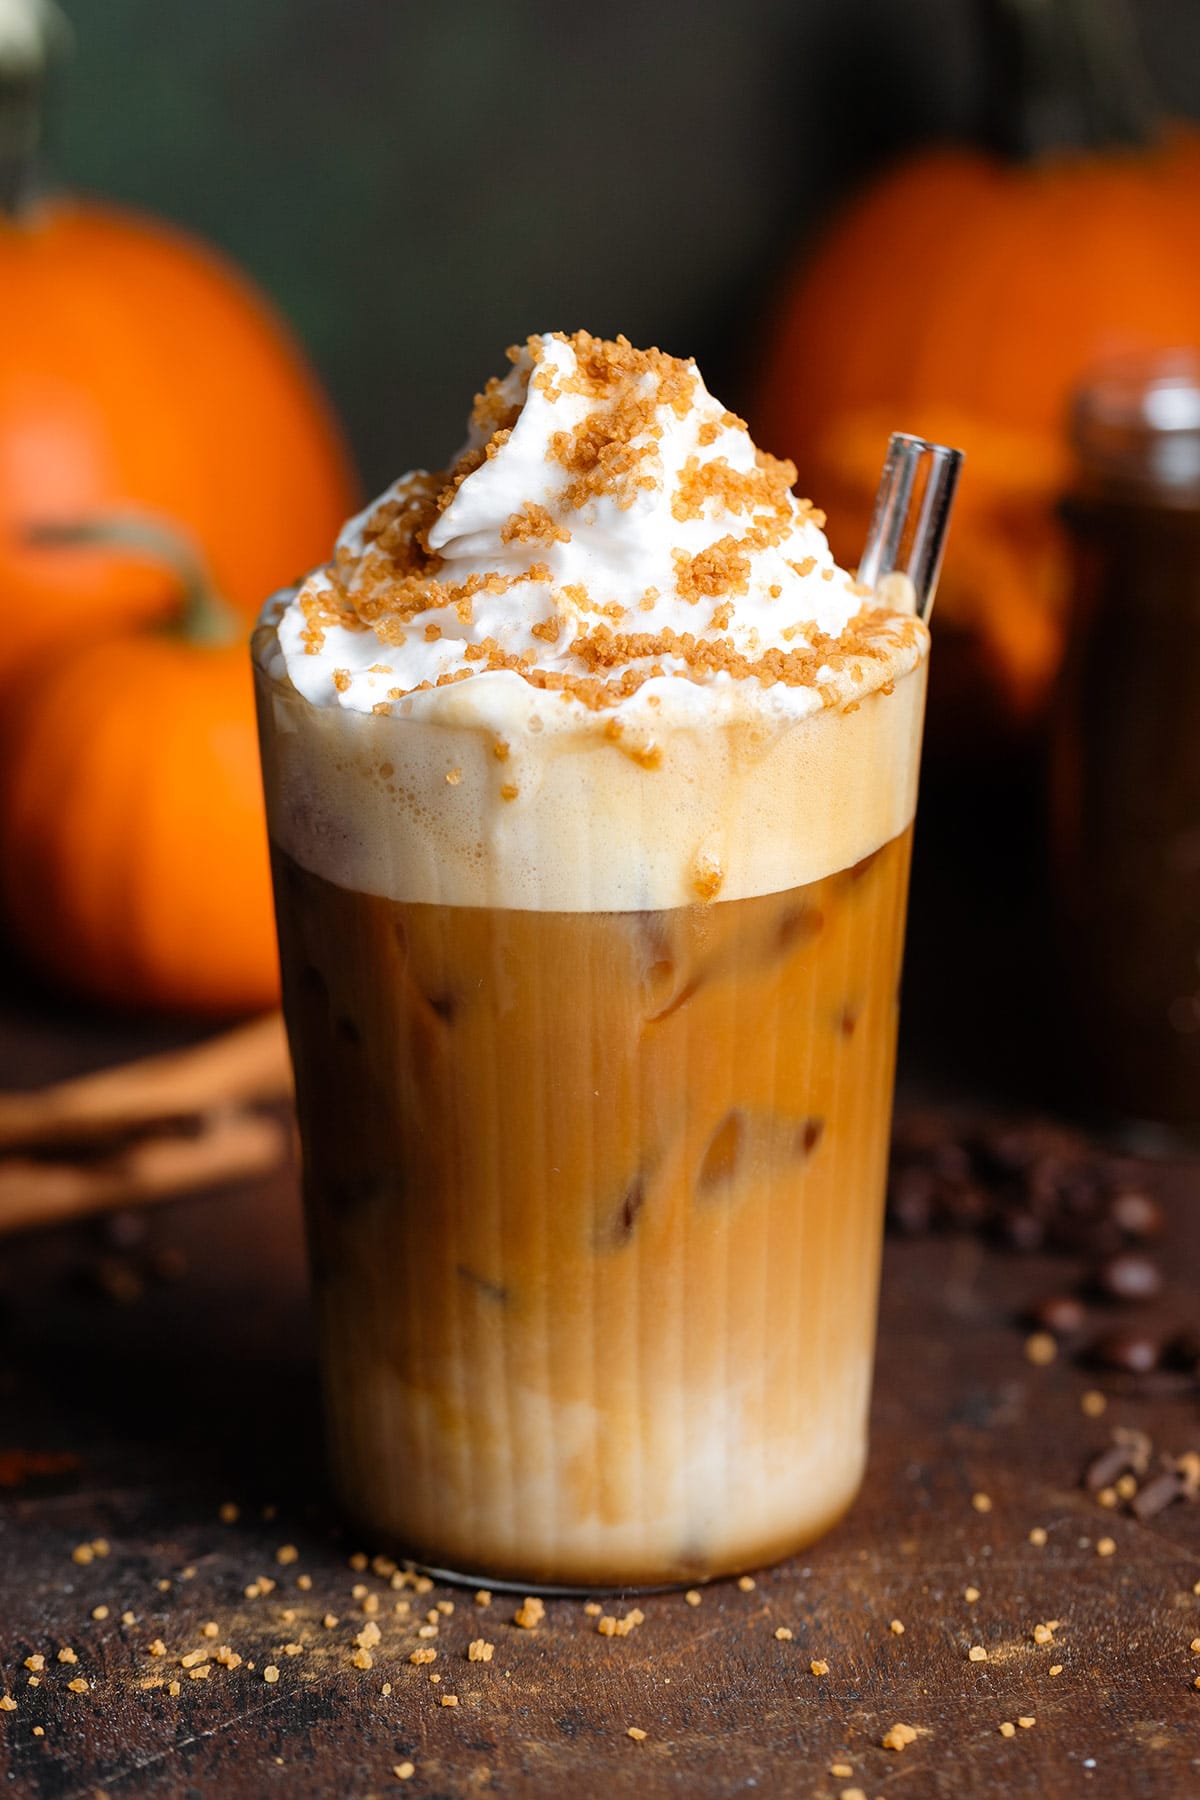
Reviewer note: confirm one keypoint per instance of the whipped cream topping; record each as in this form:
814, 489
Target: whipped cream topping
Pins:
607, 529
605, 661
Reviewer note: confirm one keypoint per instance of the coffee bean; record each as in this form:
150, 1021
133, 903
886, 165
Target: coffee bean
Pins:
1061, 1314
1136, 1352
1130, 1275
951, 1161
1104, 1469
1136, 1213
911, 1201
965, 1206
1021, 1230
1157, 1495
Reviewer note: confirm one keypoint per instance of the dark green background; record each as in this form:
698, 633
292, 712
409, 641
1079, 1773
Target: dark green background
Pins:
419, 184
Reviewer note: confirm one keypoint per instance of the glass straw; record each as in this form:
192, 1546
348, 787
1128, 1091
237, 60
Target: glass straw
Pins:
908, 527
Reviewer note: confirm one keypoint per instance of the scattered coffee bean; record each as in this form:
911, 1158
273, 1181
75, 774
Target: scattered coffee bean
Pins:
1135, 1352
1130, 1275
1156, 1495
1062, 1314
1021, 1230
1104, 1469
1136, 1213
911, 1204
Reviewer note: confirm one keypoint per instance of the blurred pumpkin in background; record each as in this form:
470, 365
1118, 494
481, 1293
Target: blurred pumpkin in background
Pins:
133, 849
963, 296
149, 396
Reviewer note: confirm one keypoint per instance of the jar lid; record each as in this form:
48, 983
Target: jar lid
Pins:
1135, 425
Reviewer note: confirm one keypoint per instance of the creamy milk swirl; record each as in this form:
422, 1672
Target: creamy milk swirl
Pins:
606, 661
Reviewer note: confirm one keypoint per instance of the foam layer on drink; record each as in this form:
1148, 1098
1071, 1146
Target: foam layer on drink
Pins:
605, 662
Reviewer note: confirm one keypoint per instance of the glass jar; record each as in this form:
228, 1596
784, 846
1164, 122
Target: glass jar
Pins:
1126, 743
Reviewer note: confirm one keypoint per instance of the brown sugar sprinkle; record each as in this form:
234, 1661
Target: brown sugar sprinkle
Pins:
362, 1659
981, 1502
1040, 1349
82, 1553
329, 1621
712, 574
747, 1583
369, 1636
533, 525
158, 1648
637, 1734
608, 1626
404, 1771
449, 1699
818, 1666
896, 1628
1093, 1403
842, 1770
592, 1608
428, 1631
127, 1618
763, 491
287, 1553
1026, 1722
174, 1688
479, 1650
78, 1686
1008, 1729
271, 1673
783, 1635
509, 790
211, 1629
1056, 1668
35, 1662
970, 1595
201, 1673
693, 1596
420, 1657
977, 1653
1106, 1547
1043, 1634
7, 1703
1037, 1536
899, 1737
607, 452
192, 1658
67, 1655
228, 1659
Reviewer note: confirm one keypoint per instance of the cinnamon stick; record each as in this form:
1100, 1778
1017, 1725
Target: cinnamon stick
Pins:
230, 1146
247, 1064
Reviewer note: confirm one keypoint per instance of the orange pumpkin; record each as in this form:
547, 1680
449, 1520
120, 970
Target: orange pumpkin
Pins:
133, 850
963, 297
137, 369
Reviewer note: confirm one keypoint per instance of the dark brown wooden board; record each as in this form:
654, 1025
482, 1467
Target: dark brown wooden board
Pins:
197, 1388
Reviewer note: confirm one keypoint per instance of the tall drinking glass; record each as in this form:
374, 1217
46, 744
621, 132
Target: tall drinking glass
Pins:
594, 1192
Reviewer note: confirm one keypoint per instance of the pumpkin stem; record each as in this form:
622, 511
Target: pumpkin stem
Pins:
33, 34
1066, 75
204, 617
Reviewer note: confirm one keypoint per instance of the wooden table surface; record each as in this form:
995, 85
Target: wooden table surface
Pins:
149, 1375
